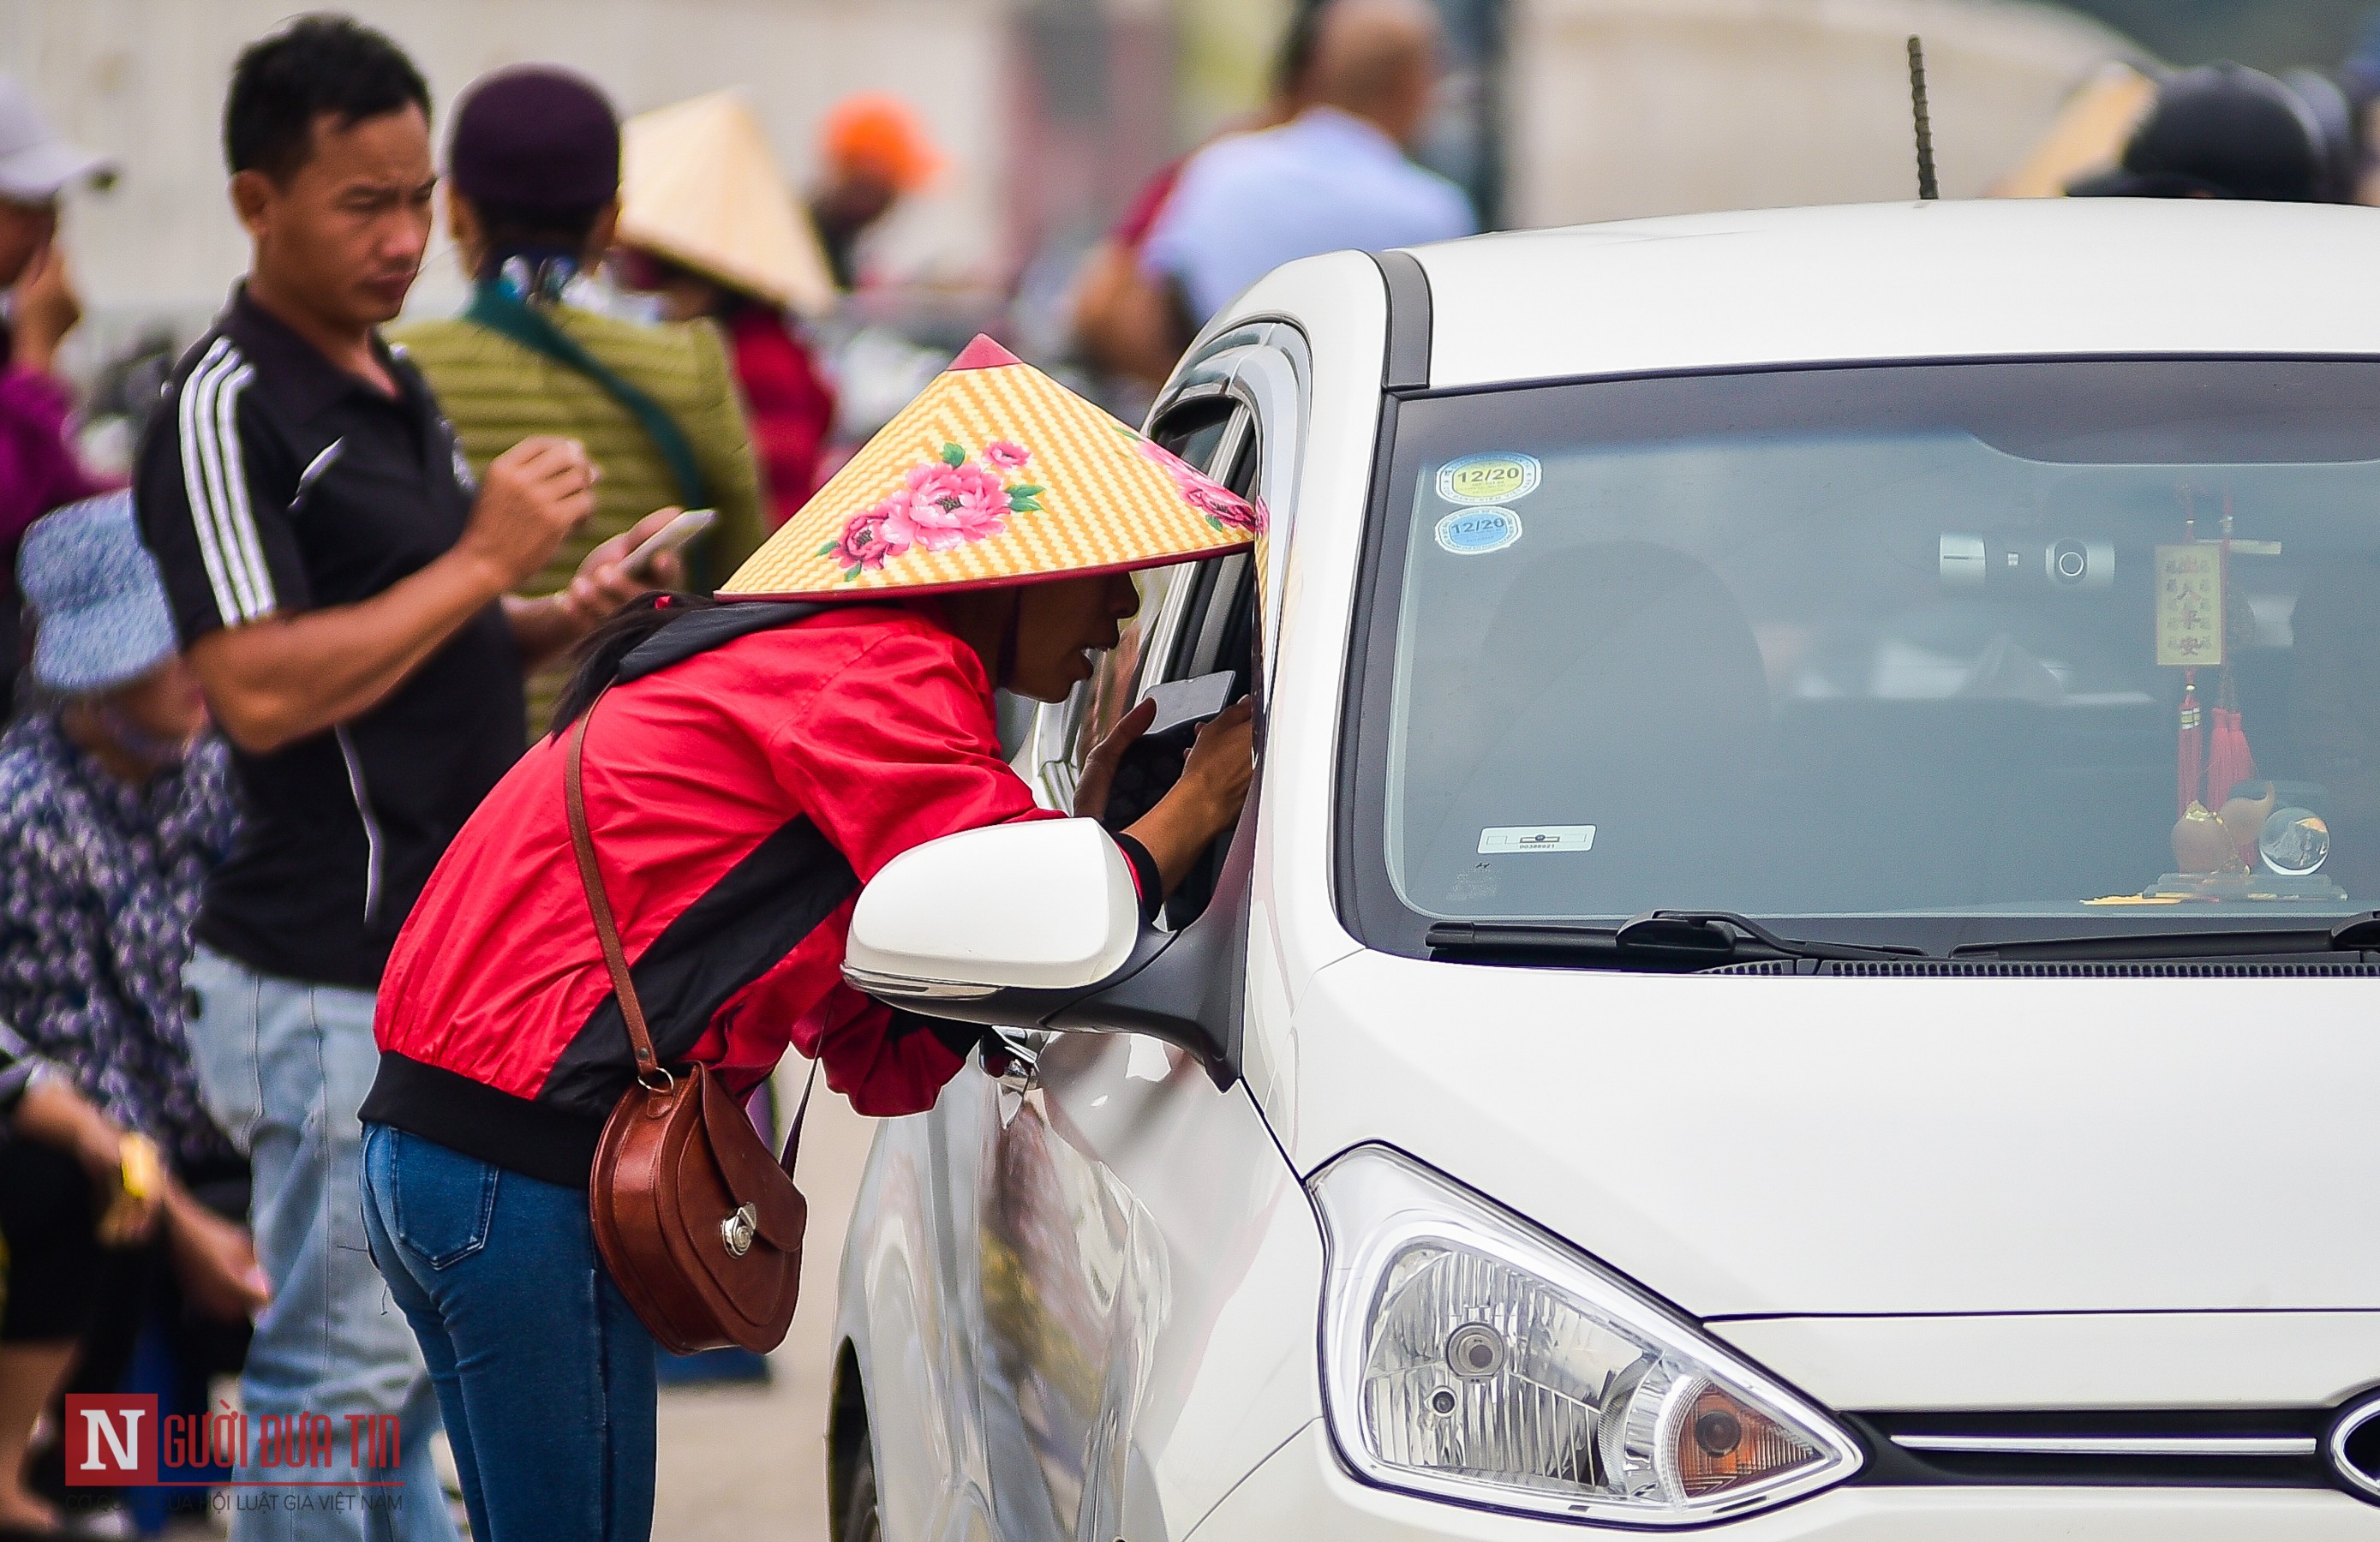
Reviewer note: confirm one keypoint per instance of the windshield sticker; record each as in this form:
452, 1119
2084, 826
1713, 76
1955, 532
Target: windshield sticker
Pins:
1475, 532
1507, 840
1495, 479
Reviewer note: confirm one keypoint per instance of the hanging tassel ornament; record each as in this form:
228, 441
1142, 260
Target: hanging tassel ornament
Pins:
2193, 758
2230, 762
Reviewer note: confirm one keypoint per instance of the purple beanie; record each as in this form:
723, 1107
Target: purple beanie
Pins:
536, 140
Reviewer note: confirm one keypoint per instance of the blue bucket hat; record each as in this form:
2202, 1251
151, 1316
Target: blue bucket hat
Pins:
100, 606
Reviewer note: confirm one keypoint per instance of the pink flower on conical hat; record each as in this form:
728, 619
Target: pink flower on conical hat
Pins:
948, 505
869, 539
1225, 509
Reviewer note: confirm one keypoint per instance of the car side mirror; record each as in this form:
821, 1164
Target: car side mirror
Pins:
1040, 906
1037, 925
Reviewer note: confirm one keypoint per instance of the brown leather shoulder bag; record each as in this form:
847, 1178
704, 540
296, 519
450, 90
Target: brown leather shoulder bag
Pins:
699, 1225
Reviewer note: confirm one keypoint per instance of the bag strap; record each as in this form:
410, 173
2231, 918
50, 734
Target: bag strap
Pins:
495, 308
615, 957
801, 1111
607, 930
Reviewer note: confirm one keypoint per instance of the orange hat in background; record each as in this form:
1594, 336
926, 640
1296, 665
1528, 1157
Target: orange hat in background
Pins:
874, 132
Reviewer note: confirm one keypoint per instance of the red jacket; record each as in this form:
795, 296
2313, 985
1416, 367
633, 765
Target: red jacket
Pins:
736, 800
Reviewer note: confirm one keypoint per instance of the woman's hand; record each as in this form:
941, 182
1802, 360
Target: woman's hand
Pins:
1205, 801
1099, 771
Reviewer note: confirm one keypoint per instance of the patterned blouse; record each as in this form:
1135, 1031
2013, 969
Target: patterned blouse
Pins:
99, 883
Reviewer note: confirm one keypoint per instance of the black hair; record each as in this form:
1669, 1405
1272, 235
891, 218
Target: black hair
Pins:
595, 662
318, 65
506, 233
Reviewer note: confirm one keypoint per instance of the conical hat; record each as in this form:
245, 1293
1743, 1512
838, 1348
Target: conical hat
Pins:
699, 186
995, 474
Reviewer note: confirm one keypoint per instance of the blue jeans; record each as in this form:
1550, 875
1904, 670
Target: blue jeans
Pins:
284, 1066
545, 1374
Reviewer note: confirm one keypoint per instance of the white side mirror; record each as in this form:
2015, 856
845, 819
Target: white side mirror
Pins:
1047, 905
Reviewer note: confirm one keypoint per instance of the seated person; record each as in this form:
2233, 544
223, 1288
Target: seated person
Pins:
112, 807
68, 1220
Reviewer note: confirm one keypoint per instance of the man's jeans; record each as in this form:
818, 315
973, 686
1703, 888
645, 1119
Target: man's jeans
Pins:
284, 1066
546, 1375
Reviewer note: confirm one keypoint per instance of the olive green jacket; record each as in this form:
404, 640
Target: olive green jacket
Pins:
497, 393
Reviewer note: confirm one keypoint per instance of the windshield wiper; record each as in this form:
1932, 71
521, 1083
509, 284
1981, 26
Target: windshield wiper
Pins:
1674, 940
2356, 934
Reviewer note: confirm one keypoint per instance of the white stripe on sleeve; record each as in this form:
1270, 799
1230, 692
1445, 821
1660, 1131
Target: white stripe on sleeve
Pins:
238, 521
211, 463
192, 413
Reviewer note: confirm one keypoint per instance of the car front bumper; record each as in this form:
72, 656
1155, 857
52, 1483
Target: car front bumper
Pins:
1302, 1490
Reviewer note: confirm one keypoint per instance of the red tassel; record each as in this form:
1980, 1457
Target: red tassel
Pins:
2228, 760
2193, 758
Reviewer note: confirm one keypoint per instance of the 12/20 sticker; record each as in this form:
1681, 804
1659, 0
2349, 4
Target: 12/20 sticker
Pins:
1492, 478
1475, 532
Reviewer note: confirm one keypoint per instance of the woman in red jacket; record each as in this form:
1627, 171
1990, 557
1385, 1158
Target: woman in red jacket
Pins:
749, 766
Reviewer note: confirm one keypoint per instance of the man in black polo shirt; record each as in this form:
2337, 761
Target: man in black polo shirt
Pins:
342, 590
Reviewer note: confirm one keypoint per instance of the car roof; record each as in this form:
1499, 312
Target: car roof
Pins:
2034, 276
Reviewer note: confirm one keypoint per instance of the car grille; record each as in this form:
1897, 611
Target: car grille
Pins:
2176, 1447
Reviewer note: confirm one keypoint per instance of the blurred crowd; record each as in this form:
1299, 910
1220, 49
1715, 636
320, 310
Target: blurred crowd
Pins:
251, 689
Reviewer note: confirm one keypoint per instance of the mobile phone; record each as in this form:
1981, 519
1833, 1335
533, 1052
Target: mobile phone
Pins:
668, 539
1180, 703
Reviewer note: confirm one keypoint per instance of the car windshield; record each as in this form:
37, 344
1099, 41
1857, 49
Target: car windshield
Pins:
2087, 641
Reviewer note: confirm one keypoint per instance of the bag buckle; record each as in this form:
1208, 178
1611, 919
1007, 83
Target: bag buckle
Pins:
738, 1230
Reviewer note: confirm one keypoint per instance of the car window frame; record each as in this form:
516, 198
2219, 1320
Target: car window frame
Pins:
1262, 371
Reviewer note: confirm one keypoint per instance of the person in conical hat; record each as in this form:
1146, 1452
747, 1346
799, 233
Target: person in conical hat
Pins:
709, 225
749, 761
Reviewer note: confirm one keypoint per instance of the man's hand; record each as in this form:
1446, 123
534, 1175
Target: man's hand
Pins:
278, 680
215, 1260
533, 496
553, 624
601, 586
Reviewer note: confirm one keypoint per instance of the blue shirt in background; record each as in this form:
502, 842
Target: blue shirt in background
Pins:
1327, 181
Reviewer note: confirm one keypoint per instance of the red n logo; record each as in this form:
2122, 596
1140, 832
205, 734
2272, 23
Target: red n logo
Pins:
112, 1441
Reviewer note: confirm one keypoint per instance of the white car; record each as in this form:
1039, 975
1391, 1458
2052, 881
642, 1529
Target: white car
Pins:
1759, 987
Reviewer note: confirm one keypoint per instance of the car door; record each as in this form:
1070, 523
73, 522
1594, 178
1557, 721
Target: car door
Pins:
1076, 1272
1026, 1241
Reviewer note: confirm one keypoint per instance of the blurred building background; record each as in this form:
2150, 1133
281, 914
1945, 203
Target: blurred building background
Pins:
1053, 112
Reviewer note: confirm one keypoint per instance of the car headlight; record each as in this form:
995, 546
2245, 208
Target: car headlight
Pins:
1470, 1356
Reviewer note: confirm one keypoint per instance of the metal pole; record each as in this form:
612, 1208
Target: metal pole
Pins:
1926, 187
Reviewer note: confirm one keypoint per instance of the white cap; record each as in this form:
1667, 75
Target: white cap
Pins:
34, 163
